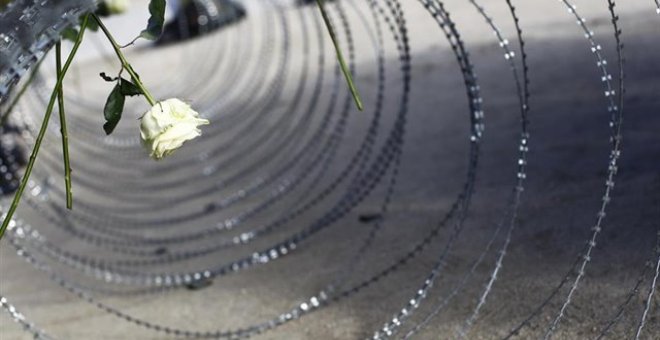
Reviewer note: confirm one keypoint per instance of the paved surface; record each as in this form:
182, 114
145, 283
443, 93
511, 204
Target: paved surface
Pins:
567, 166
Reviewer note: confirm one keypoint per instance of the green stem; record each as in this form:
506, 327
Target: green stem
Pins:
65, 135
124, 63
10, 108
340, 57
42, 131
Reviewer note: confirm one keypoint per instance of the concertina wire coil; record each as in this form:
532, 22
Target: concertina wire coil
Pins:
280, 173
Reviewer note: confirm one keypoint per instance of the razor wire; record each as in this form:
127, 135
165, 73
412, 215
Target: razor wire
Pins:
280, 174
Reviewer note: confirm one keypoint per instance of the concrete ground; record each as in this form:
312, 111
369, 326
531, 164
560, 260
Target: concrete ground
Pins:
568, 160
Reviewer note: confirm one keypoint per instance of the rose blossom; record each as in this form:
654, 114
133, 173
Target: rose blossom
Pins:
116, 6
167, 125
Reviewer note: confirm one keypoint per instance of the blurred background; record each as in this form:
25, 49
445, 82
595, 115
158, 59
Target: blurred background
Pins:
492, 188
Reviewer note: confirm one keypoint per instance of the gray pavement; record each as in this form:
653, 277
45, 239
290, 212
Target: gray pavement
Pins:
567, 168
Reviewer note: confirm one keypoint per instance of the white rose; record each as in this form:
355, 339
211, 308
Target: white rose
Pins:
167, 125
116, 6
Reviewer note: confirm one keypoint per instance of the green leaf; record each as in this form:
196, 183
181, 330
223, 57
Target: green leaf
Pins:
70, 34
113, 109
93, 26
129, 89
156, 20
102, 10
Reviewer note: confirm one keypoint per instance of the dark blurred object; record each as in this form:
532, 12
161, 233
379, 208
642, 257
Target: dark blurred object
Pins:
13, 157
199, 17
4, 3
368, 218
309, 2
198, 284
